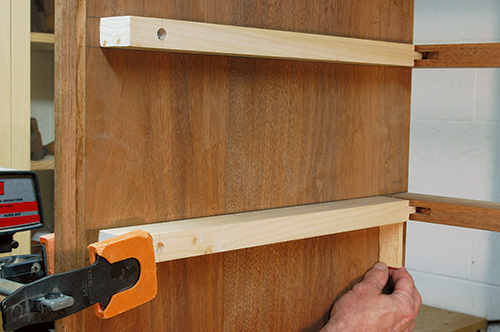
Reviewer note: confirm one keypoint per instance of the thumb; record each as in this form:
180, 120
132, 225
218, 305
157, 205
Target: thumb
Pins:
377, 276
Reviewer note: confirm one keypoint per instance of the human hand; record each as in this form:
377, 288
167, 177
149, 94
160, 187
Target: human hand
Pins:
365, 308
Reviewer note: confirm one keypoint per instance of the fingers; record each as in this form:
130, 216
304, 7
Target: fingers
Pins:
418, 299
403, 282
404, 286
377, 276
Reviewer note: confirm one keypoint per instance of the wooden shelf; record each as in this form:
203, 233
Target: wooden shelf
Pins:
46, 163
141, 33
201, 236
42, 41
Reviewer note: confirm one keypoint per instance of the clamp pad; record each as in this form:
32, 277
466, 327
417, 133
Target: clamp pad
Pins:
49, 242
136, 244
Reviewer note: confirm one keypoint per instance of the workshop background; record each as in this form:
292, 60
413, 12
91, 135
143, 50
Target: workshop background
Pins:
455, 151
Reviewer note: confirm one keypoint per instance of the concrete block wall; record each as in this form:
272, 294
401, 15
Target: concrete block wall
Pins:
455, 151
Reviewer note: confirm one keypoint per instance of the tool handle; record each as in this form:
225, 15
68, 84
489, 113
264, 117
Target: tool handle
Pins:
64, 294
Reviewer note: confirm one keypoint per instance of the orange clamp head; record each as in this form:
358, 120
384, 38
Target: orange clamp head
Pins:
48, 241
136, 244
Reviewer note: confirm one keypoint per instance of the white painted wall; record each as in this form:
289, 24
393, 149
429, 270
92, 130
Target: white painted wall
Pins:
455, 151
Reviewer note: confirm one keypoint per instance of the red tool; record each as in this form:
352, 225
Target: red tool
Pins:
122, 275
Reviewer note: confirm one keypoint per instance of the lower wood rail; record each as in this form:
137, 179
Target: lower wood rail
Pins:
195, 237
454, 211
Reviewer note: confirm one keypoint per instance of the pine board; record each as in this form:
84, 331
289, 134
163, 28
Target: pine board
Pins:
201, 236
165, 35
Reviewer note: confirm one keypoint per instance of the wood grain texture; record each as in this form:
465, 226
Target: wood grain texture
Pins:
151, 137
202, 236
392, 244
156, 34
69, 95
217, 131
459, 55
389, 21
454, 211
256, 289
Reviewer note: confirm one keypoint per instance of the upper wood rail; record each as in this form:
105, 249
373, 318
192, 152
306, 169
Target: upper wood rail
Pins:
459, 56
454, 211
191, 37
195, 237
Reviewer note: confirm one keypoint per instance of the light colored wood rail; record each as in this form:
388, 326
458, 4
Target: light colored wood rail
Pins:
195, 237
39, 37
20, 88
15, 94
392, 244
191, 37
454, 211
46, 163
42, 41
459, 55
5, 85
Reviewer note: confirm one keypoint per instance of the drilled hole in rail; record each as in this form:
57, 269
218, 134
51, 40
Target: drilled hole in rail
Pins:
161, 34
159, 248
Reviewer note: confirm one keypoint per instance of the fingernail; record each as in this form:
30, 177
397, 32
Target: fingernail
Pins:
380, 266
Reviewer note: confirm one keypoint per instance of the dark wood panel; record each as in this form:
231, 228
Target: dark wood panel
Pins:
291, 287
381, 20
181, 136
284, 287
190, 298
157, 136
459, 55
171, 136
69, 95
454, 211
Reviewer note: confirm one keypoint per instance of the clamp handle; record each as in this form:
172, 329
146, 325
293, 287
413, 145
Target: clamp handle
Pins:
122, 276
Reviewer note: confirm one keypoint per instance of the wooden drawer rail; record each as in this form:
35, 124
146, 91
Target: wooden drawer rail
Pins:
454, 211
155, 34
201, 236
458, 56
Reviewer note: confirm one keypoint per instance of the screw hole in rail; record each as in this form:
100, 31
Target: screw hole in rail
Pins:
161, 34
